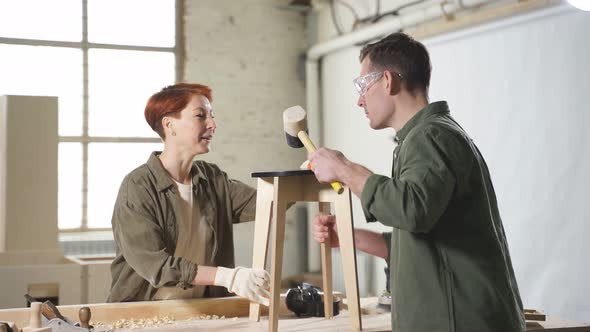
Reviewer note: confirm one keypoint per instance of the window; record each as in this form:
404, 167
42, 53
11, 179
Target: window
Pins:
103, 60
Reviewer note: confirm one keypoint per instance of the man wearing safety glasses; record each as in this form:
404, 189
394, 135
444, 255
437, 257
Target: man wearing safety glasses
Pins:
447, 252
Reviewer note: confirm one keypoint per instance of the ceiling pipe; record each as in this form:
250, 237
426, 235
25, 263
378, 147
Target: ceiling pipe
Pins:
377, 30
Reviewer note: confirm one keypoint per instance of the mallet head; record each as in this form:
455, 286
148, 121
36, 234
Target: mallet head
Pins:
294, 121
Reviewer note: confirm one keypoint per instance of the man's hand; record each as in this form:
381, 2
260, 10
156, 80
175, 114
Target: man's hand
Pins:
326, 164
331, 165
253, 284
324, 226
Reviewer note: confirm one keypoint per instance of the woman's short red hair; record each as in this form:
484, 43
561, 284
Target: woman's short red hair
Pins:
172, 99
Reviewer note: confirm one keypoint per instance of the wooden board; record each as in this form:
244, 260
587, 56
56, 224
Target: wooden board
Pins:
372, 323
372, 318
556, 325
178, 309
532, 314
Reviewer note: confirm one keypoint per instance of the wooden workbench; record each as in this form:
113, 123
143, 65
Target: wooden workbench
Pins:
236, 310
376, 322
373, 323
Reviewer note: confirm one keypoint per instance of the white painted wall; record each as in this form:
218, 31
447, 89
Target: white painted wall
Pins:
247, 51
519, 87
524, 102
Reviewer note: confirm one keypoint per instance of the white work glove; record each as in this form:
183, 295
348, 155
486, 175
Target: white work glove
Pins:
252, 284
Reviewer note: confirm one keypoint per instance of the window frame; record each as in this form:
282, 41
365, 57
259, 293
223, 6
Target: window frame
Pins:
85, 139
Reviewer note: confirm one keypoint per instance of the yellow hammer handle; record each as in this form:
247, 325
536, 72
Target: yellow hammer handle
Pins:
337, 186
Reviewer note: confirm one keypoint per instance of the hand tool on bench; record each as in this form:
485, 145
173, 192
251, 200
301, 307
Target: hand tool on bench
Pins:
51, 317
8, 327
48, 309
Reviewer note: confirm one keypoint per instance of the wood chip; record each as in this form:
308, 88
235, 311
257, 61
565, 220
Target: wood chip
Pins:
136, 323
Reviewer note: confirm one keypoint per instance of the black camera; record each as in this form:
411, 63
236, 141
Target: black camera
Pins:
306, 301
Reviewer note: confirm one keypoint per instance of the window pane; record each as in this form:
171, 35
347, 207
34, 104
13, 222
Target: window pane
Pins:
108, 163
37, 19
132, 22
46, 71
69, 181
120, 83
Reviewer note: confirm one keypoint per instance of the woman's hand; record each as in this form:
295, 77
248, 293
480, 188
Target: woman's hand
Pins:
253, 284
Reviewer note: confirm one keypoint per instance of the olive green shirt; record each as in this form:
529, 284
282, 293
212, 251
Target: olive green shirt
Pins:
450, 268
145, 228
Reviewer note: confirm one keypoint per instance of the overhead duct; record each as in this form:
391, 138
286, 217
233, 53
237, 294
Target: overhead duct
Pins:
385, 27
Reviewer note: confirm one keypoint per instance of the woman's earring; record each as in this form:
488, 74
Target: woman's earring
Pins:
173, 133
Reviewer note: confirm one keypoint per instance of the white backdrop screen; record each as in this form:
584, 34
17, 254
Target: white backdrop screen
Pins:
520, 88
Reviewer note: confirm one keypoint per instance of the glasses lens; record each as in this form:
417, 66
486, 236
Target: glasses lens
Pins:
363, 82
357, 85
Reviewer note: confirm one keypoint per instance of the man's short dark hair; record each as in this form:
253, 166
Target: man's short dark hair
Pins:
403, 54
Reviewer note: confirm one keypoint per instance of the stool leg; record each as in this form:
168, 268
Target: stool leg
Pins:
343, 211
264, 196
326, 249
278, 217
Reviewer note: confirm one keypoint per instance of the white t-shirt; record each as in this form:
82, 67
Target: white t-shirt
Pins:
193, 244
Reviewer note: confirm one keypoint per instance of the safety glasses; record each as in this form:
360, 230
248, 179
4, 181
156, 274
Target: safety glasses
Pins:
363, 83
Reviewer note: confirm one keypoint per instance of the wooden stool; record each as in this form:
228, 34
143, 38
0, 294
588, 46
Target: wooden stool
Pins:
275, 190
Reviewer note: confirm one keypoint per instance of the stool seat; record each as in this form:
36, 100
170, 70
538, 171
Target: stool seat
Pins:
295, 172
275, 190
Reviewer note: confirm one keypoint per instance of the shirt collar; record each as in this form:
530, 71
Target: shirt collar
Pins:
163, 180
439, 107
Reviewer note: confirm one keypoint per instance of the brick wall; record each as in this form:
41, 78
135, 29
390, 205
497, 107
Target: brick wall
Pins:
247, 51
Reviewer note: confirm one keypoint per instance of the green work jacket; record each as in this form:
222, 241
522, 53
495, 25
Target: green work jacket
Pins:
145, 228
450, 268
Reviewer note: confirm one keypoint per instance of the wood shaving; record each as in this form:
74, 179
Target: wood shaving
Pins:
208, 317
133, 323
136, 323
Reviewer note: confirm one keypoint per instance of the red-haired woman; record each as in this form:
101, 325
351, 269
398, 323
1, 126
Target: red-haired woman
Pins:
173, 217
